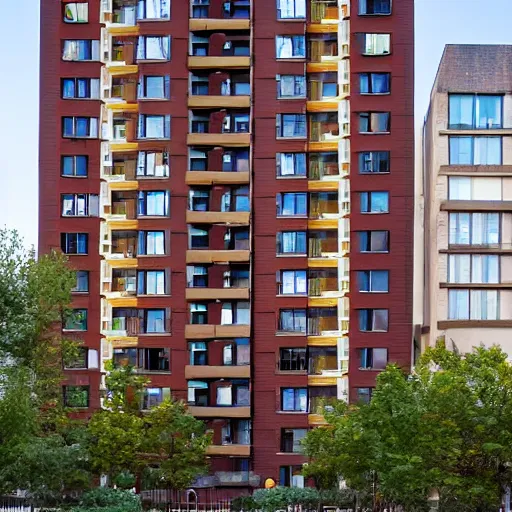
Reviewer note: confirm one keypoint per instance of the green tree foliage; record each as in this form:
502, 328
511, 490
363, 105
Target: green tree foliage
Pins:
105, 499
447, 427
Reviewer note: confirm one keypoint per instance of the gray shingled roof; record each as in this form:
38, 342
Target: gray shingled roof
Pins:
484, 68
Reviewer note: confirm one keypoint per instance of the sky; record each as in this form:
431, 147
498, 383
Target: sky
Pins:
438, 22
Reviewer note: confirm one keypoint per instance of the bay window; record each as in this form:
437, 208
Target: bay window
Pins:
475, 150
475, 111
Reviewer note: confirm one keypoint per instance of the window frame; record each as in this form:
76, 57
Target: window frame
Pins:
375, 160
371, 130
295, 320
452, 280
89, 88
296, 279
288, 359
83, 319
299, 198
369, 201
475, 97
75, 289
142, 203
74, 119
293, 38
294, 17
369, 280
281, 96
473, 139
369, 77
142, 88
360, 13
64, 240
280, 244
279, 166
280, 126
366, 354
368, 234
296, 399
370, 320
74, 166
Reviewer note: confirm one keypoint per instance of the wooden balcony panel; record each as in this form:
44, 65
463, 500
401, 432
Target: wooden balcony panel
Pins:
201, 24
217, 372
216, 293
216, 178
220, 412
219, 101
231, 218
219, 62
207, 256
219, 139
232, 450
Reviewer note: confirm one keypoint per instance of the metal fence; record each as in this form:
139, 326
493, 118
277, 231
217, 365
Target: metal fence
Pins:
15, 504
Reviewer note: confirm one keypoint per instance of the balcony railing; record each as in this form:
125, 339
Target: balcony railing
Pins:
324, 10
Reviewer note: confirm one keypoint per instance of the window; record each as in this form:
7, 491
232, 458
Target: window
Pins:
153, 164
154, 396
291, 86
291, 476
374, 202
199, 85
74, 243
474, 189
81, 88
154, 87
373, 320
475, 150
291, 242
74, 166
76, 12
373, 241
198, 314
154, 48
78, 360
154, 203
294, 399
200, 8
473, 268
292, 282
469, 111
237, 9
85, 127
374, 83
291, 9
373, 281
151, 243
198, 238
292, 321
235, 313
291, 439
364, 395
151, 282
374, 7
198, 353
474, 228
154, 127
198, 393
291, 164
197, 276
374, 162
373, 358
76, 320
374, 122
80, 205
154, 321
290, 47
473, 305
76, 397
290, 126
377, 44
292, 204
81, 49
154, 359
82, 282
154, 9
199, 200
292, 359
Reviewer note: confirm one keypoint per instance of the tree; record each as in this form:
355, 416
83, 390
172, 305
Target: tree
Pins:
448, 426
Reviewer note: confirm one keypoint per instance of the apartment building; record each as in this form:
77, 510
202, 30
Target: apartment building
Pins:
233, 182
468, 199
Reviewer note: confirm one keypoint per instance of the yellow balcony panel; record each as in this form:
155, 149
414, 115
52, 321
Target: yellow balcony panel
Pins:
322, 67
122, 69
232, 450
219, 62
320, 147
232, 218
123, 185
123, 224
206, 256
219, 139
324, 185
130, 30
323, 224
322, 380
217, 372
328, 27
122, 262
219, 101
126, 342
216, 293
322, 106
220, 412
323, 341
316, 420
123, 146
123, 302
219, 24
323, 262
123, 107
322, 302
216, 178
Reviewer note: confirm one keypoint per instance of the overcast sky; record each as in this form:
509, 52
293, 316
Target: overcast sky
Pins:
438, 22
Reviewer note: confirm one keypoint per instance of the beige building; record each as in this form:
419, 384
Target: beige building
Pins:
467, 198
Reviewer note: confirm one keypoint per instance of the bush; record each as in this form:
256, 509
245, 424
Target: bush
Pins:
105, 499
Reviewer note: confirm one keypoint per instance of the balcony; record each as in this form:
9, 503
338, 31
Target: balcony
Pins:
217, 372
216, 178
323, 93
211, 331
217, 256
323, 52
233, 15
324, 12
229, 478
323, 167
134, 322
324, 127
122, 169
120, 95
217, 293
209, 217
230, 450
220, 412
323, 244
123, 244
323, 283
119, 53
122, 283
219, 62
322, 321
219, 139
120, 17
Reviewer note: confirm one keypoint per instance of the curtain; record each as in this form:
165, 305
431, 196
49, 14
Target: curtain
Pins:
461, 151
484, 304
459, 187
486, 189
226, 314
70, 50
68, 204
459, 228
155, 242
380, 83
284, 47
224, 396
459, 268
461, 111
485, 228
487, 150
458, 304
488, 111
485, 268
68, 88
287, 167
243, 311
243, 396
155, 203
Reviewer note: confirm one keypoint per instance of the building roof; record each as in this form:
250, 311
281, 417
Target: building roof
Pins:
477, 68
